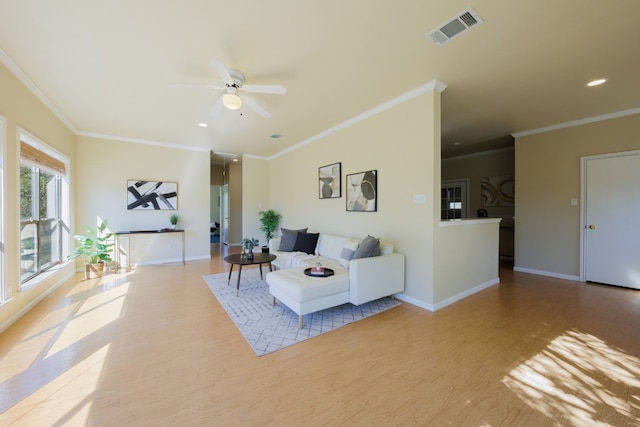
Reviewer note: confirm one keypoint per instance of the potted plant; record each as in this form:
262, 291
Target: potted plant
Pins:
248, 244
268, 223
173, 220
96, 247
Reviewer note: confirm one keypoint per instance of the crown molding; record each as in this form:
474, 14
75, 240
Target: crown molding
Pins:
579, 122
13, 67
142, 141
427, 87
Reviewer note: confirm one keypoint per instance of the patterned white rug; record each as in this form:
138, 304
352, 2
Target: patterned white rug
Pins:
268, 328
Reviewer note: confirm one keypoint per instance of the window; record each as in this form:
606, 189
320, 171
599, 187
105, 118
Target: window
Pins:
43, 200
453, 200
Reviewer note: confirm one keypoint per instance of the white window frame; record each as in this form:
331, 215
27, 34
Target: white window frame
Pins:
65, 201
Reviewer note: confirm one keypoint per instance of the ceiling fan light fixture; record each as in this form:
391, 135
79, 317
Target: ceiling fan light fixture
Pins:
232, 101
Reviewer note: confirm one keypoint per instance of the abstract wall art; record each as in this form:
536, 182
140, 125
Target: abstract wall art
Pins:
152, 195
497, 191
362, 191
330, 181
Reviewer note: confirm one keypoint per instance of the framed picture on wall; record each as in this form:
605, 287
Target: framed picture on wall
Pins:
330, 181
362, 191
152, 195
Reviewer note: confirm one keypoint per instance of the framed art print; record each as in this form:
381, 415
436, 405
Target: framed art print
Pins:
329, 181
152, 195
362, 191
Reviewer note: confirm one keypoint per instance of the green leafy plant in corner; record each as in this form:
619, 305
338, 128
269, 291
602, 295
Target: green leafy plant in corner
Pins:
269, 222
173, 219
95, 245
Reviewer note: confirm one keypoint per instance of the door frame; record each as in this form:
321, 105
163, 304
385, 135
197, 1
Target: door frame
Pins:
583, 204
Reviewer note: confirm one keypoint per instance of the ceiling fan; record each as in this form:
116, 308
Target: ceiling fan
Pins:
232, 84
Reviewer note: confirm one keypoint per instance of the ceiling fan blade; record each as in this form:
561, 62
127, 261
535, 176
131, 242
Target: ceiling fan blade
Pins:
196, 86
222, 70
275, 89
256, 107
217, 107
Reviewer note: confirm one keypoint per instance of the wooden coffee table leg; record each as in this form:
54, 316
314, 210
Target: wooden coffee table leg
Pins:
260, 270
238, 285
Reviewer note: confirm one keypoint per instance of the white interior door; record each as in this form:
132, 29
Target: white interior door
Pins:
612, 220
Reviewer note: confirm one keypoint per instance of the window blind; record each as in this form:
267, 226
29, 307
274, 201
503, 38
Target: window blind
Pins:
32, 153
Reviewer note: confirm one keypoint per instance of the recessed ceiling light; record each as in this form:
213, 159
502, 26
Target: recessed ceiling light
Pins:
457, 143
234, 160
203, 125
596, 82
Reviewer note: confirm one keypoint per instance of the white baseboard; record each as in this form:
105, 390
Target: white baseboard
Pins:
448, 301
413, 301
24, 310
474, 290
546, 273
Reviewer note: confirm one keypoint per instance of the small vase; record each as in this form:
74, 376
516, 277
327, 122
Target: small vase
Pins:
250, 255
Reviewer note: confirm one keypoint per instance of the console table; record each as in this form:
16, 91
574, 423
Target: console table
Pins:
129, 233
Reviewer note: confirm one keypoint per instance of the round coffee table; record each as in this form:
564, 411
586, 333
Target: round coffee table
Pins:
240, 260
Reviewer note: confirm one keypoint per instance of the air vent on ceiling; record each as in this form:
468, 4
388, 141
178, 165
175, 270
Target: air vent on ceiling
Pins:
456, 26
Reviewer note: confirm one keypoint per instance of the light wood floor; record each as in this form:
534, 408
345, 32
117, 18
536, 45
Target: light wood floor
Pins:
154, 348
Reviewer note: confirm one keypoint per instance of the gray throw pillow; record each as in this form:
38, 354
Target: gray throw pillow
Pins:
369, 247
288, 239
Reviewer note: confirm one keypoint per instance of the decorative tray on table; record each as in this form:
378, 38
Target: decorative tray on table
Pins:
322, 272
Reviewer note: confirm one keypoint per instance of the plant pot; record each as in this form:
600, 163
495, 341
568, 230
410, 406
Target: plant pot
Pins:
93, 271
250, 255
265, 249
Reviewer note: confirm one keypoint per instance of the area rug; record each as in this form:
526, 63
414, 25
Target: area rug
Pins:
268, 328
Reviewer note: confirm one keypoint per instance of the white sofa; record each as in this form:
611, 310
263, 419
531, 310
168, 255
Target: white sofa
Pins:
356, 281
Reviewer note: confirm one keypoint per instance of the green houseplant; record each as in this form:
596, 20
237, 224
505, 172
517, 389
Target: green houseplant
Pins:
173, 220
96, 247
248, 244
269, 222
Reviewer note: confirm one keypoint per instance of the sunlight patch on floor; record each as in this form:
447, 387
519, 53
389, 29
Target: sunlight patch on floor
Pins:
580, 379
94, 313
66, 400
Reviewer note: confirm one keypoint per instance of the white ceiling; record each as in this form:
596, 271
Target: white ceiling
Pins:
108, 66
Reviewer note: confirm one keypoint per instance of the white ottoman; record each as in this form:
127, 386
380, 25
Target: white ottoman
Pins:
306, 294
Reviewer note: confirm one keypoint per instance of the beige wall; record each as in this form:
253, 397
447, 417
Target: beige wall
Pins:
402, 144
466, 258
234, 179
21, 109
101, 179
255, 196
547, 233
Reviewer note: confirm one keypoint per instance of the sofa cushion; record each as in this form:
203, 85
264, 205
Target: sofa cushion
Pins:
330, 246
306, 242
294, 284
288, 239
348, 251
369, 247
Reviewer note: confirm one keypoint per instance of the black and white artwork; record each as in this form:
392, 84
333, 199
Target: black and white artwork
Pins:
362, 191
152, 195
330, 182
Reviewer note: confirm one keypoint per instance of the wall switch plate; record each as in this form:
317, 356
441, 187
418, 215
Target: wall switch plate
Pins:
574, 202
420, 198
